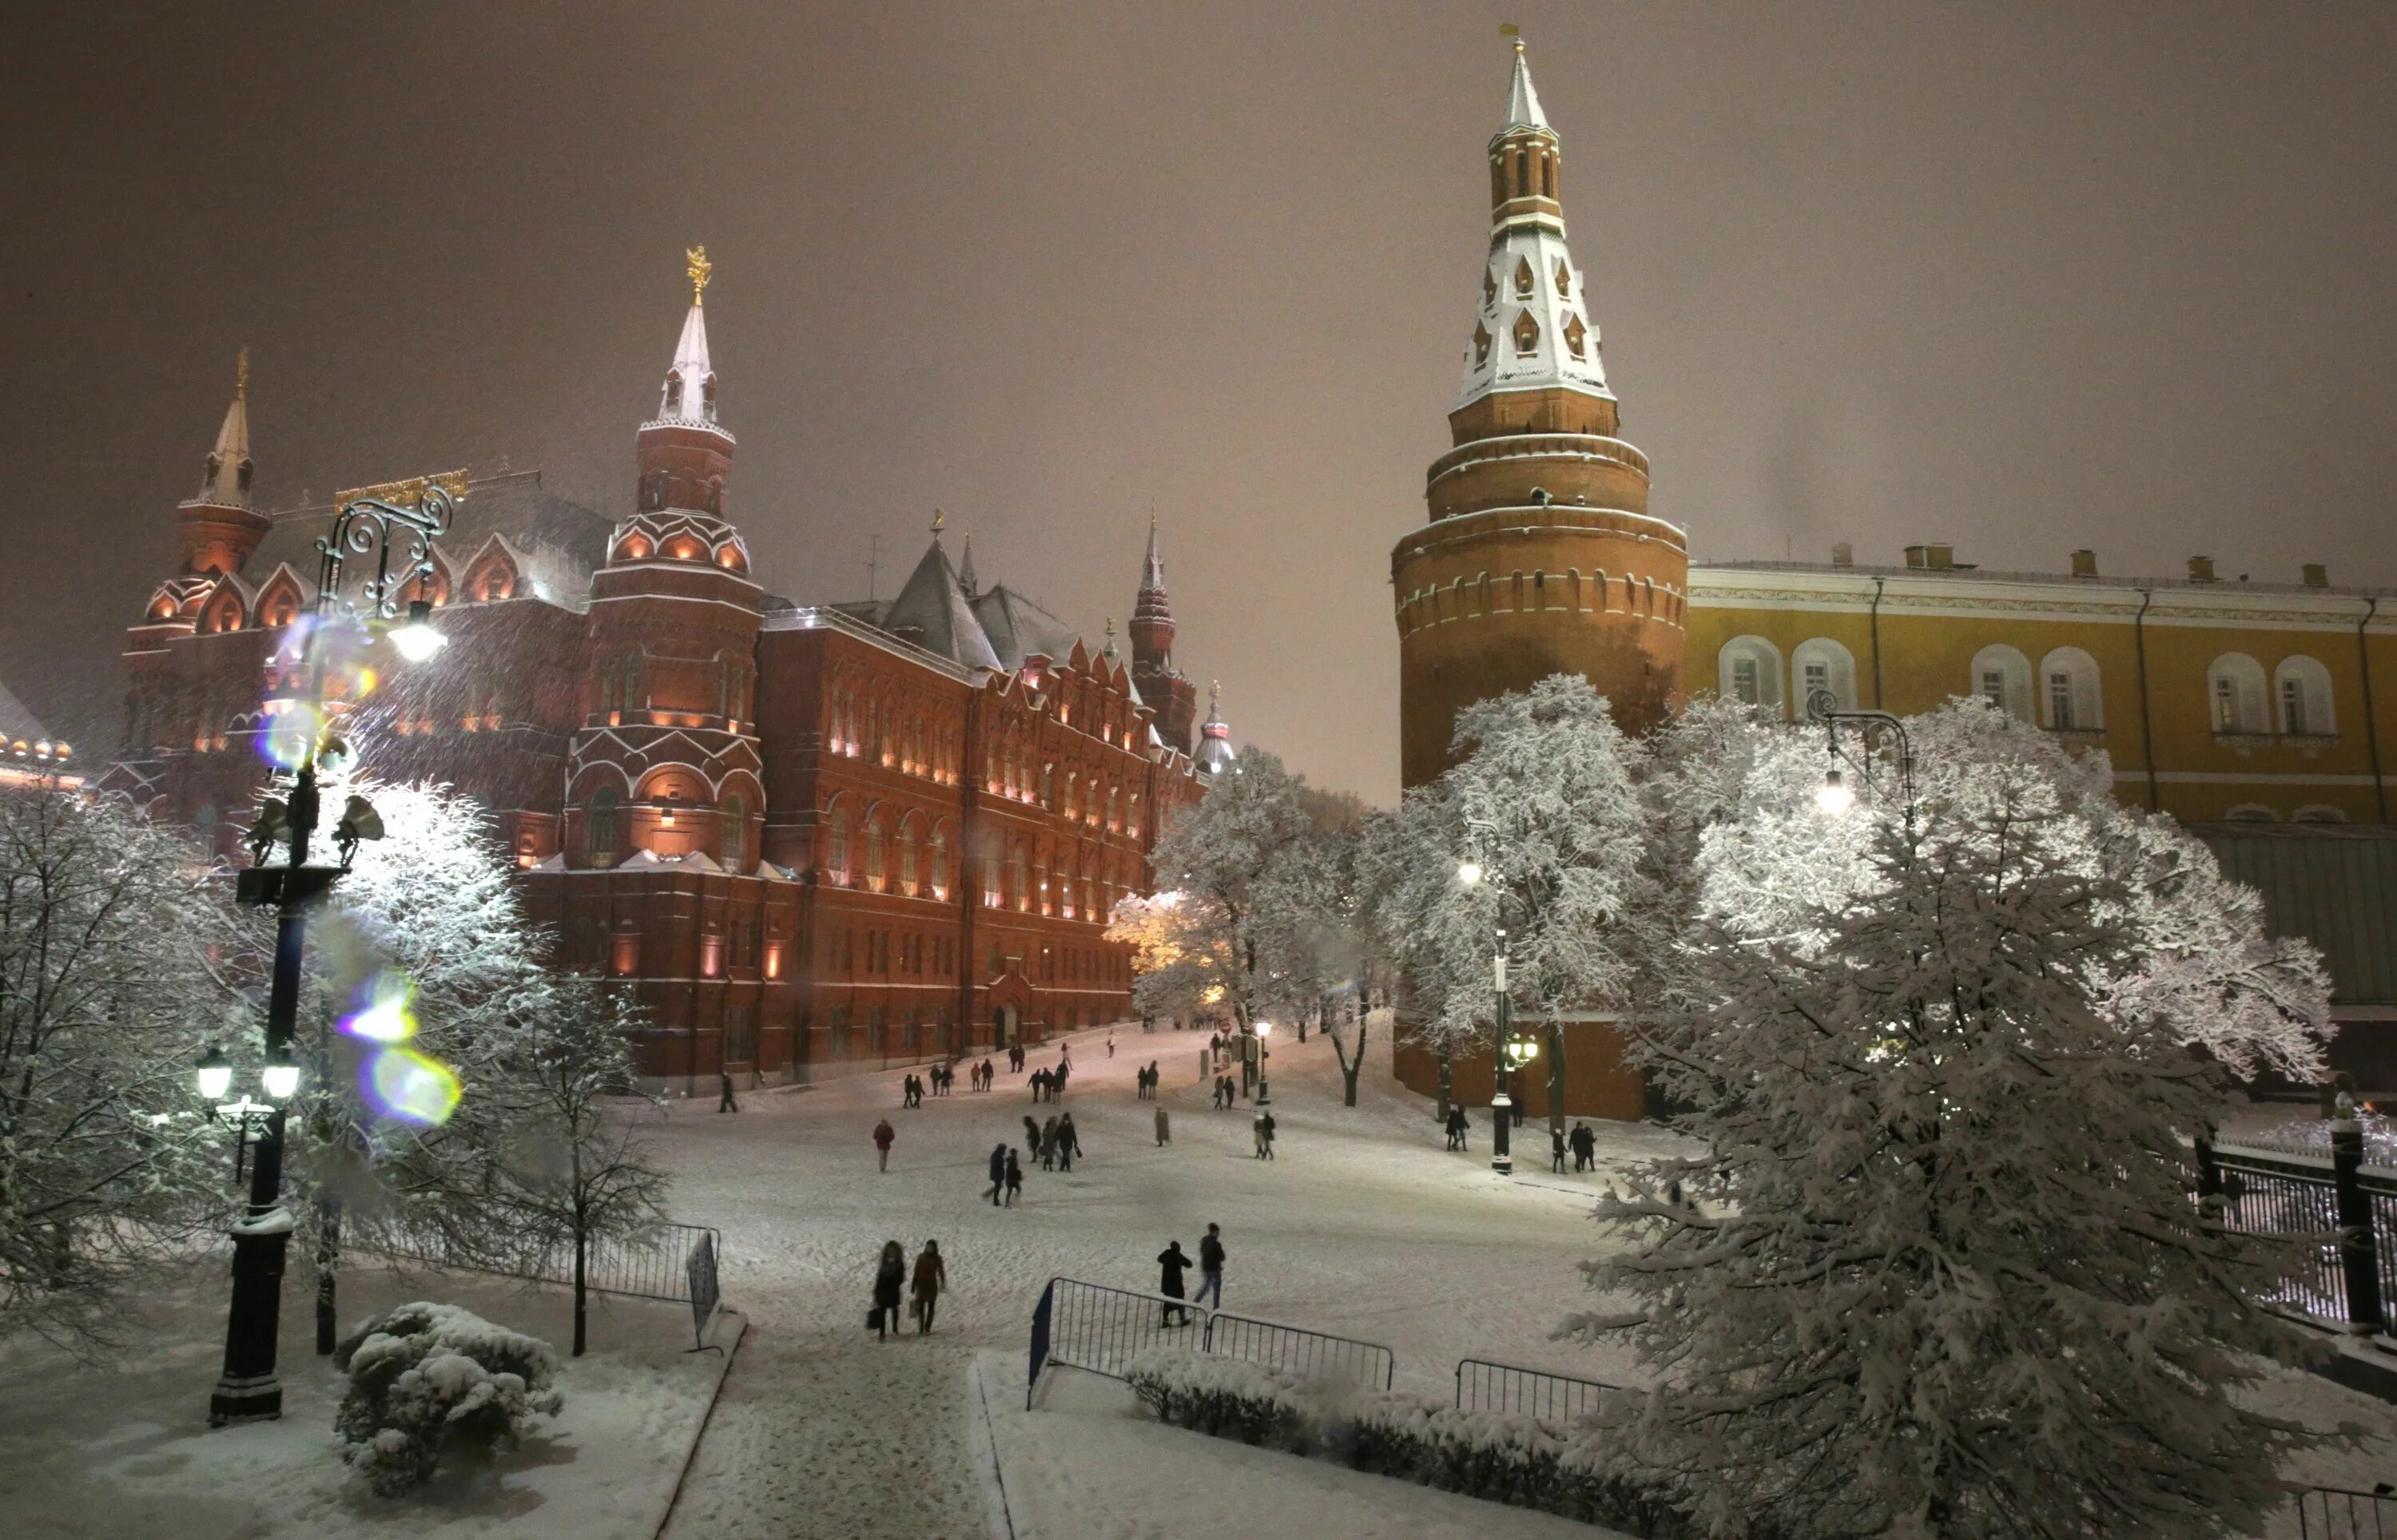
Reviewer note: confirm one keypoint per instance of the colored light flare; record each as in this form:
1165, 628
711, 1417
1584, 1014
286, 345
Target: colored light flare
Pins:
291, 734
403, 1083
386, 1012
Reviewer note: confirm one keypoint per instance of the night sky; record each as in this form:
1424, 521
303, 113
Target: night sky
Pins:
2024, 277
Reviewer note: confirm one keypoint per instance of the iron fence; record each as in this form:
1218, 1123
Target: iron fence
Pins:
1485, 1385
651, 1263
2283, 1192
1099, 1328
2331, 1513
1298, 1350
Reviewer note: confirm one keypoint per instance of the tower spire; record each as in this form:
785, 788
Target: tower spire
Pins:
685, 452
1172, 697
226, 481
967, 582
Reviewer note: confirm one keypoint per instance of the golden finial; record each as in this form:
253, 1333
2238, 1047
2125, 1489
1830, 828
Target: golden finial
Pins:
695, 262
241, 374
936, 521
1509, 29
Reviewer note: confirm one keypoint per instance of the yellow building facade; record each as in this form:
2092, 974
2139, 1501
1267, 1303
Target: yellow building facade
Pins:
2215, 701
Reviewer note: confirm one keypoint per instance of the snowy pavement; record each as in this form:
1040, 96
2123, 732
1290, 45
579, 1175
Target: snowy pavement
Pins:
1363, 1225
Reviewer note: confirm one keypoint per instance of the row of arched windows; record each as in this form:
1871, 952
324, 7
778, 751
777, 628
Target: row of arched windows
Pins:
2062, 693
862, 724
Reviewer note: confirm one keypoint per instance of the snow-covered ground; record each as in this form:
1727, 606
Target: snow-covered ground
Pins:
1362, 1226
112, 1455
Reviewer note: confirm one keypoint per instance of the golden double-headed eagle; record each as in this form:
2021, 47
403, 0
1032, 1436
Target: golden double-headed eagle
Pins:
695, 262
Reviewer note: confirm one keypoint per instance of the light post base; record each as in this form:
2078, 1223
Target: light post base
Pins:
1502, 1158
248, 1390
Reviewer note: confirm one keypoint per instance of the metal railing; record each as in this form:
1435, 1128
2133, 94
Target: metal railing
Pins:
2332, 1513
2275, 1192
653, 1263
1100, 1329
1485, 1385
1299, 1350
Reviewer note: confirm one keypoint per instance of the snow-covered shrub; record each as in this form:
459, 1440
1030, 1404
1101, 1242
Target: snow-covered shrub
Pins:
425, 1379
1506, 1458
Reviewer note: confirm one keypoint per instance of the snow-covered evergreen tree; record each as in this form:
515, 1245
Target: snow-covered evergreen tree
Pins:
1947, 1278
118, 970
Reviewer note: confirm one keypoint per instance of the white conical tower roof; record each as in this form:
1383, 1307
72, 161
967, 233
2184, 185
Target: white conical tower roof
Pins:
225, 483
687, 397
1522, 101
1152, 568
1535, 330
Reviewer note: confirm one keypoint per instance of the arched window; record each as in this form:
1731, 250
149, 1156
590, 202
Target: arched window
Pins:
2068, 697
2302, 687
1047, 782
2321, 813
732, 834
2252, 813
2234, 694
1526, 332
1019, 880
674, 393
940, 873
1748, 670
837, 847
907, 859
633, 699
1820, 663
873, 873
1115, 807
2001, 676
1523, 277
601, 816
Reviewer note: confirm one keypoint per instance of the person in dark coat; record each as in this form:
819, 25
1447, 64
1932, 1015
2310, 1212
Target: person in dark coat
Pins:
1556, 1148
1173, 1262
1211, 1267
924, 1289
1014, 1178
1458, 1126
1584, 1147
883, 1135
1069, 1144
1164, 1127
889, 1279
725, 1102
1031, 1132
997, 1173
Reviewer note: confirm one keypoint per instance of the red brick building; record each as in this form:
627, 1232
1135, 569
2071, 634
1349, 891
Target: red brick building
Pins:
812, 838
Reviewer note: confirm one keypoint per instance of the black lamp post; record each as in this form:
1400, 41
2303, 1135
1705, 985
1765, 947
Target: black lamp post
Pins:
1835, 796
1510, 1053
248, 1390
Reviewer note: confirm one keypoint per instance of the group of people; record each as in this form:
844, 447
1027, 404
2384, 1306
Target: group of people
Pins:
1016, 1059
1458, 1126
1264, 1128
1055, 1141
1050, 1084
1584, 1148
1227, 1091
924, 1291
1173, 1262
1144, 1081
1006, 1174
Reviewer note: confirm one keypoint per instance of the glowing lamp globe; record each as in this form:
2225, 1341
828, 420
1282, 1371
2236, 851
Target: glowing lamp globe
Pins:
215, 1075
418, 640
281, 1076
1834, 797
1468, 872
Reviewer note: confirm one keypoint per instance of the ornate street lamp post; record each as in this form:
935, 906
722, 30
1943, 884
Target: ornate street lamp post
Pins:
248, 1390
1511, 1052
1835, 796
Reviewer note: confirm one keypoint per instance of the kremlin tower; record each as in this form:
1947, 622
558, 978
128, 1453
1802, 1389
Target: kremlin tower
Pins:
1162, 685
1539, 555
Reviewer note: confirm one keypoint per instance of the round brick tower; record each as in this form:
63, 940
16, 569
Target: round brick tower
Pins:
1539, 555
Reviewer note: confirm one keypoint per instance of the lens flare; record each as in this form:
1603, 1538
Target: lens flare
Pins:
386, 1010
403, 1083
291, 735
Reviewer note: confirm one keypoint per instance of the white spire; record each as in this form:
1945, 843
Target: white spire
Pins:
687, 397
1522, 101
1152, 572
226, 481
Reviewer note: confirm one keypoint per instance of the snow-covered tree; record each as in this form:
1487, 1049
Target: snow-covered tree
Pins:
118, 959
2195, 950
1222, 935
574, 1166
1542, 798
1947, 1278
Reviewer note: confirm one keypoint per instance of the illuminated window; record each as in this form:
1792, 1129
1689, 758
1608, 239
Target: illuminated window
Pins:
2305, 698
732, 834
874, 874
1526, 332
907, 860
601, 816
837, 847
940, 873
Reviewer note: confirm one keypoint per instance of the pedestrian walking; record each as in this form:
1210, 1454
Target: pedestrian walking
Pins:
1458, 1126
726, 1103
1069, 1144
1164, 1128
1556, 1149
997, 1173
889, 1278
1267, 1125
924, 1290
1171, 1263
1031, 1134
1211, 1267
986, 1073
1048, 1150
1111, 1046
1014, 1178
883, 1135
1584, 1148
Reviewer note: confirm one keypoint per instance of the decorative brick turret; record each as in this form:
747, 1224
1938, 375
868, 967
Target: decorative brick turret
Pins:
219, 529
1162, 685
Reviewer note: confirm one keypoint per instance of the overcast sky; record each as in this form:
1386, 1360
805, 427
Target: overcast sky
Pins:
2024, 277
